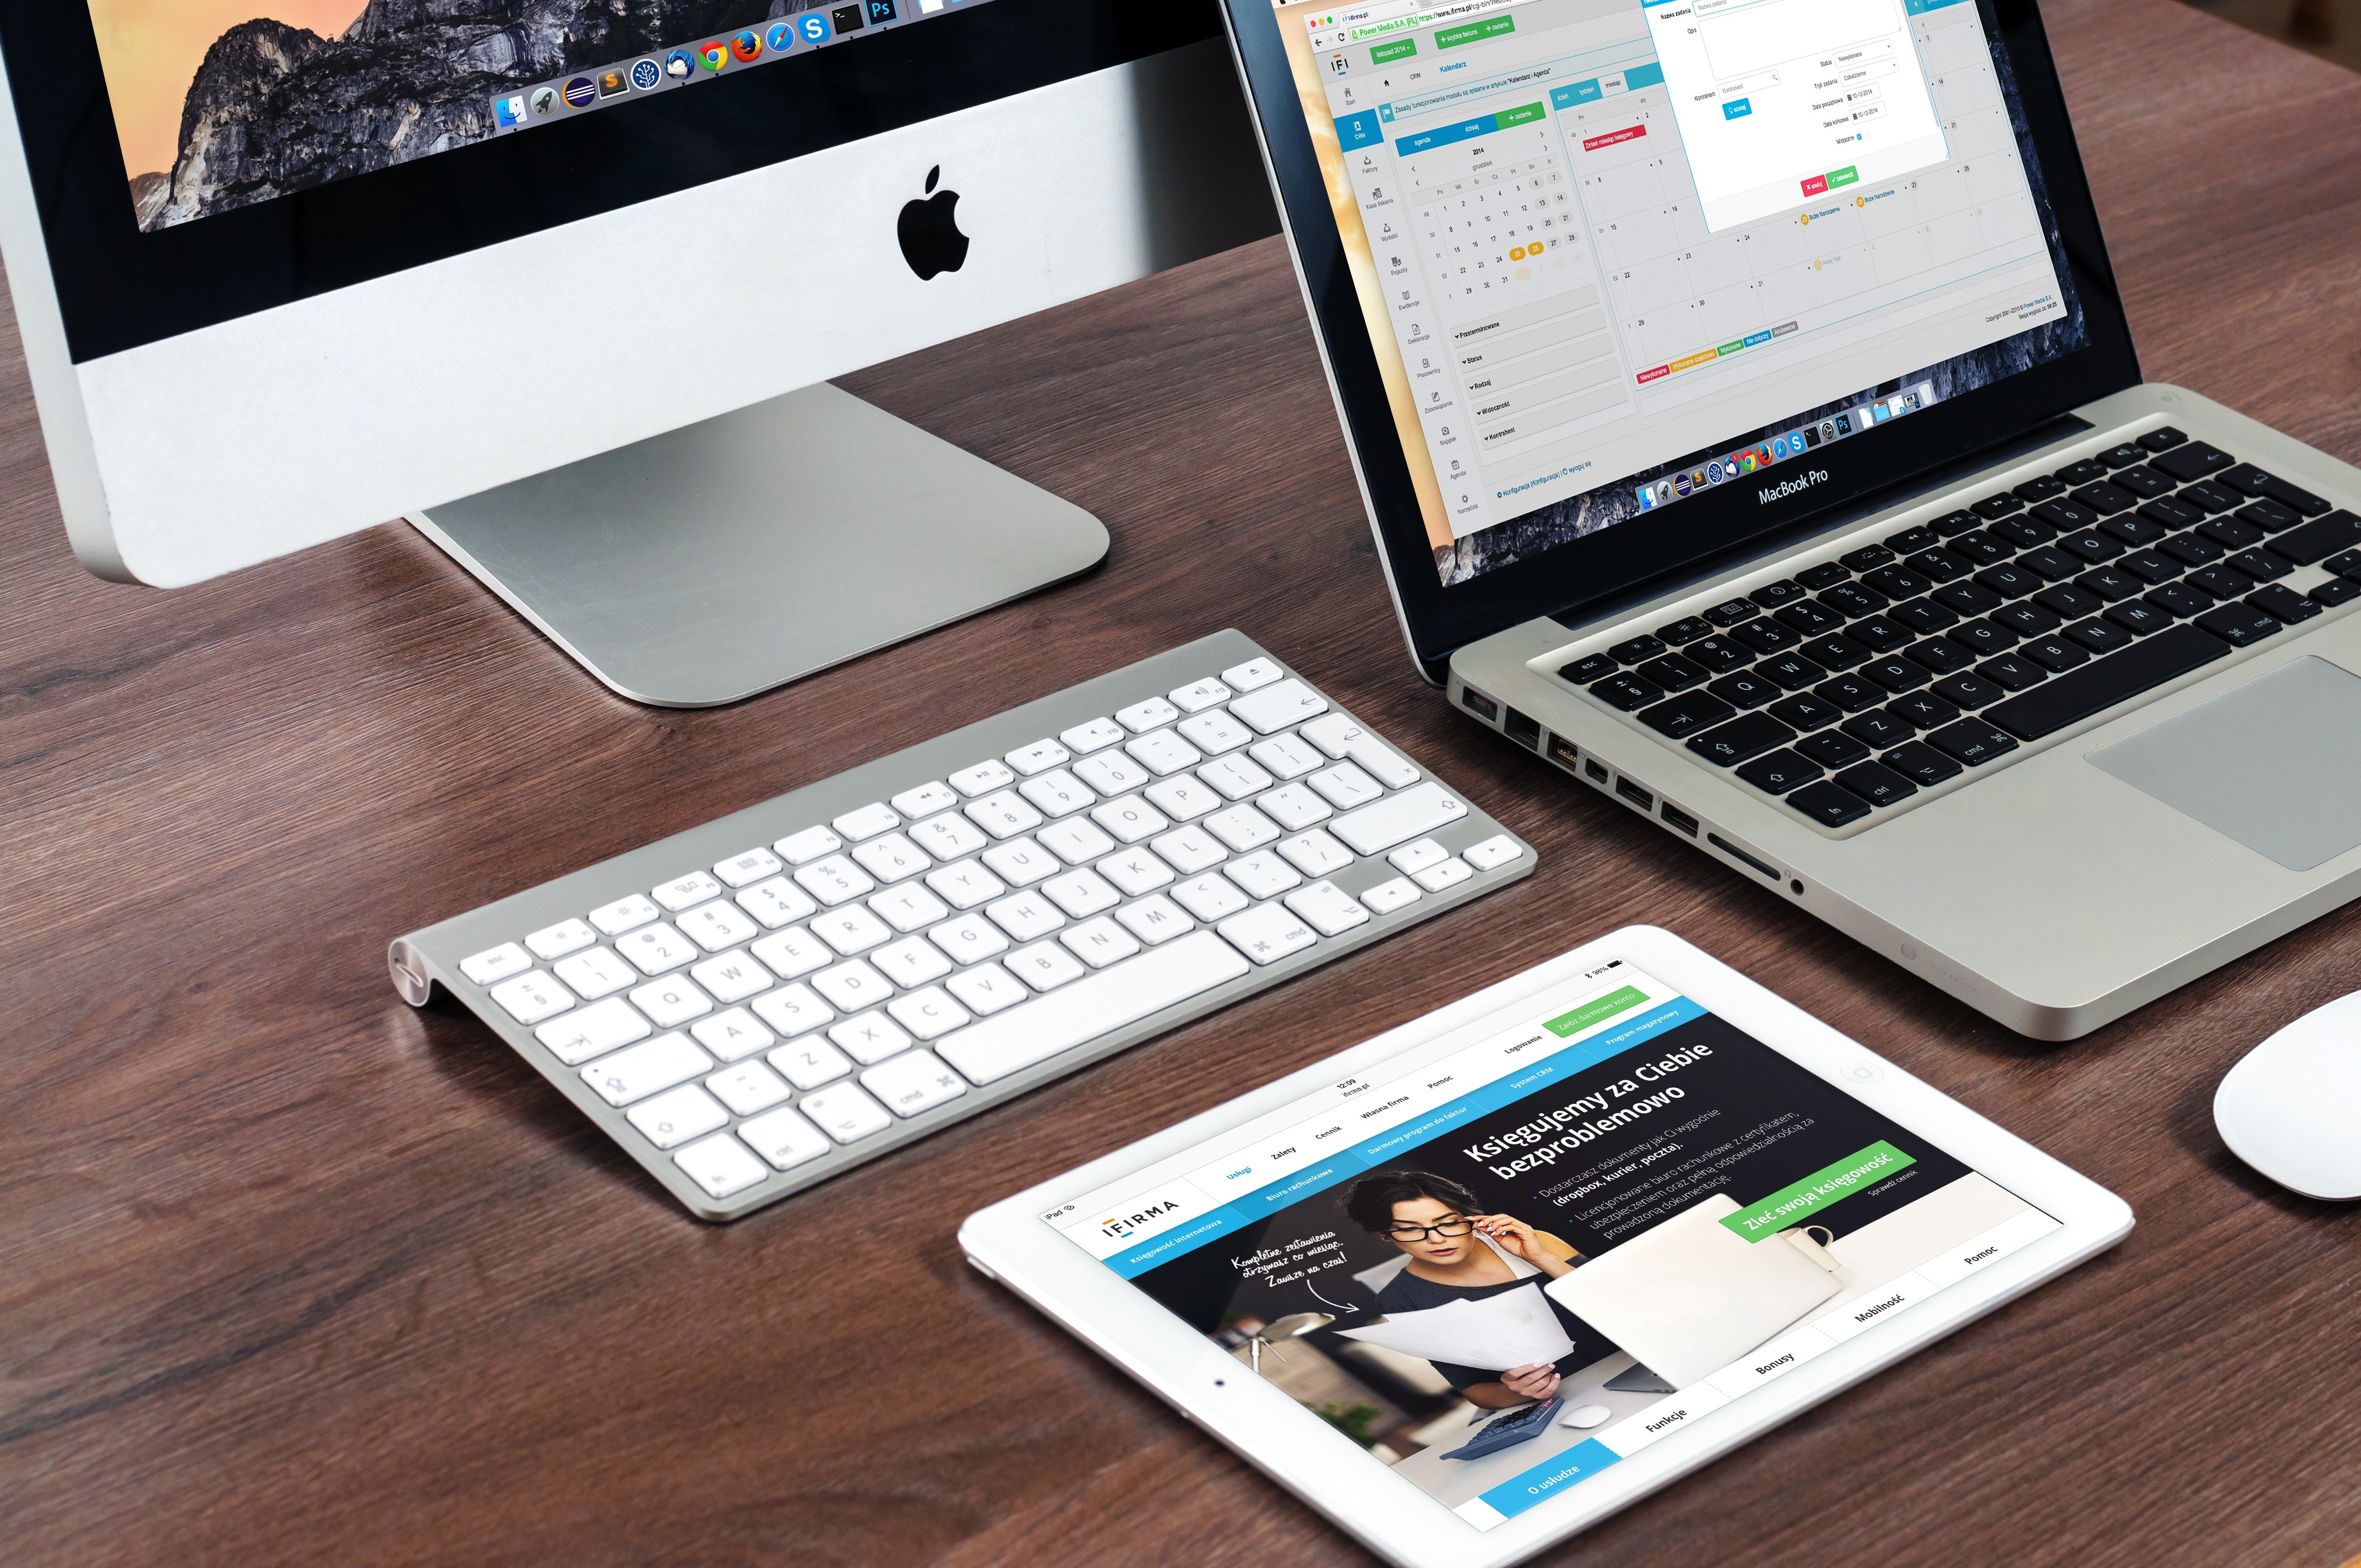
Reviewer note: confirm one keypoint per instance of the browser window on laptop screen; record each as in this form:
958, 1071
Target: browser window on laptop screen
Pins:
1614, 254
1620, 1208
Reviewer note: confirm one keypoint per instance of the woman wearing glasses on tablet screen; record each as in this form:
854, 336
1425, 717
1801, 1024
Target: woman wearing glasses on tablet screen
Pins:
1457, 1252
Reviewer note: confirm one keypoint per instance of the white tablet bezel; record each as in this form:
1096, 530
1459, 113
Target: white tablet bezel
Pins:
1011, 1243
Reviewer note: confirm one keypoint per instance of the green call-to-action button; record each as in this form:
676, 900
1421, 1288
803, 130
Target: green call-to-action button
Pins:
1731, 347
1790, 1206
1400, 48
1491, 29
1597, 1008
1848, 175
1506, 118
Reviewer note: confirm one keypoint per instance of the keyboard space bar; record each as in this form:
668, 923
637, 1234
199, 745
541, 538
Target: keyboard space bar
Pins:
1090, 1007
2077, 695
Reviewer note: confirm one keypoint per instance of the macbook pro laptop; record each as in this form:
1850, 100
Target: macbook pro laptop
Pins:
1746, 412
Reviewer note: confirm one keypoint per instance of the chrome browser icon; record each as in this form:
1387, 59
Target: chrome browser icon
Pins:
713, 56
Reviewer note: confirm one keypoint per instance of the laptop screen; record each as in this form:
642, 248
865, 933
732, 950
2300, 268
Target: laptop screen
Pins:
1614, 254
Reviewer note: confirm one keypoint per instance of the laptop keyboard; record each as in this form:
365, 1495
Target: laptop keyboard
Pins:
1851, 686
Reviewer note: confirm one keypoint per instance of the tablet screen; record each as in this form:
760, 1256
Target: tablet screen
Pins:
1505, 1265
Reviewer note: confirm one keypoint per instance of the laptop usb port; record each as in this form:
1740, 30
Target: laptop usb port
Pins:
1475, 702
1562, 752
1679, 818
1635, 795
1524, 728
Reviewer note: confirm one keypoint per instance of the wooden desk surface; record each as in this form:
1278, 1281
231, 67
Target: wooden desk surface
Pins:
291, 1273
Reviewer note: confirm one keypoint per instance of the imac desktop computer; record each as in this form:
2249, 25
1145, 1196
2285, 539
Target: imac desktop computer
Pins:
562, 284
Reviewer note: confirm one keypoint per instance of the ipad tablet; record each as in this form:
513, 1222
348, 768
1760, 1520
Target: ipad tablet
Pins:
1712, 1211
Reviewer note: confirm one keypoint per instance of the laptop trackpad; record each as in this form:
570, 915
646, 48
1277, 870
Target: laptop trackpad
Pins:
2271, 764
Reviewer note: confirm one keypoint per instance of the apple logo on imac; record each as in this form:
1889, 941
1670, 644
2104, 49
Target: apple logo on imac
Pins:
930, 231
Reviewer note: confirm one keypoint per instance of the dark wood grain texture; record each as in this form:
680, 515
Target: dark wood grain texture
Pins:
289, 1273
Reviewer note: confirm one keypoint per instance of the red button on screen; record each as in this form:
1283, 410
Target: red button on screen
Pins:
1816, 185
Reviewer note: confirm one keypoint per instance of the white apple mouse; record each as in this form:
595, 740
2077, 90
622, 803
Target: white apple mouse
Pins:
1585, 1416
2291, 1108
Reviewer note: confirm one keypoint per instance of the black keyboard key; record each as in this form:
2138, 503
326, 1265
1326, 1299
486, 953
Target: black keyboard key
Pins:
2051, 563
2239, 625
1833, 749
2041, 488
2183, 600
2140, 618
1803, 711
2172, 513
2210, 496
1982, 638
1849, 692
2026, 619
1744, 689
2102, 684
1877, 785
2010, 582
2282, 603
1967, 598
1953, 523
2144, 483
1684, 716
1673, 673
2232, 532
2249, 480
1806, 619
2222, 582
1780, 772
1849, 599
2107, 583
1584, 670
1868, 559
1912, 540
1897, 675
1937, 565
2134, 528
2335, 592
1836, 652
1771, 596
1921, 764
1981, 549
1878, 634
2123, 456
1742, 739
2091, 546
2012, 673
2193, 549
1939, 655
2081, 473
2259, 565
2055, 654
1730, 612
2067, 601
1895, 583
1972, 741
1968, 691
2149, 568
1687, 629
1923, 616
2022, 533
2349, 565
1992, 508
2162, 440
2269, 516
1764, 637
1719, 655
2106, 499
1878, 727
2066, 516
1828, 806
1791, 671
1923, 709
1822, 576
2194, 461
1636, 650
2098, 636
2326, 536
1626, 691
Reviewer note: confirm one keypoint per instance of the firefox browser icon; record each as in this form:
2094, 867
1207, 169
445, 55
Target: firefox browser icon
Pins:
746, 47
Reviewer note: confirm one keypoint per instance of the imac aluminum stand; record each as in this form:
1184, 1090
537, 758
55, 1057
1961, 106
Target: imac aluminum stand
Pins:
717, 561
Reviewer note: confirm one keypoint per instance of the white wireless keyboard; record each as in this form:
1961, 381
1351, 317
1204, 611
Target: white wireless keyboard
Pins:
759, 1004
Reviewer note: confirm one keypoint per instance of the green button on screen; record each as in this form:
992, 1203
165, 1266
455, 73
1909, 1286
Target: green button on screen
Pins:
1794, 1204
1591, 1012
1493, 29
1848, 175
1400, 48
1507, 118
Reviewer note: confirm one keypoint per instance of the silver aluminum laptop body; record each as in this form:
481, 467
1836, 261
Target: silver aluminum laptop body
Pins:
2059, 887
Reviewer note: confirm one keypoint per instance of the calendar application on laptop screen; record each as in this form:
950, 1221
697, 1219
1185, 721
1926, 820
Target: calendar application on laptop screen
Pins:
1612, 255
